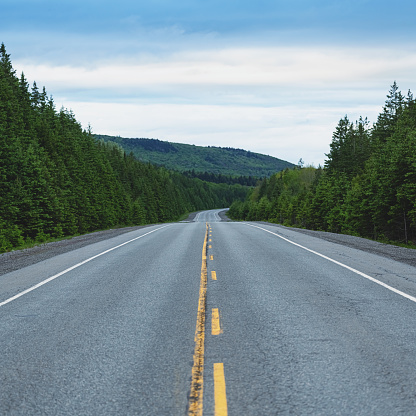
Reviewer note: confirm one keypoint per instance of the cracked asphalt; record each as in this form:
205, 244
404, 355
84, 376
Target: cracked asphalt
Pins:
300, 334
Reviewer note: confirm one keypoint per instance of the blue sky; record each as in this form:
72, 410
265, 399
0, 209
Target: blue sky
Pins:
273, 77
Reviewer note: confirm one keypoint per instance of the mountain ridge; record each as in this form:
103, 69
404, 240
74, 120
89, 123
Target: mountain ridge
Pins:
187, 157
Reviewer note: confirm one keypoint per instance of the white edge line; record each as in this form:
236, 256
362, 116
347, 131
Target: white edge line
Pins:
399, 292
49, 279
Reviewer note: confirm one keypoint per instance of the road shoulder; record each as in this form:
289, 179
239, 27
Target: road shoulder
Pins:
400, 254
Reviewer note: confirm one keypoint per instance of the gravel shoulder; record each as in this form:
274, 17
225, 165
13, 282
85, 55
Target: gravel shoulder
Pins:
401, 254
18, 259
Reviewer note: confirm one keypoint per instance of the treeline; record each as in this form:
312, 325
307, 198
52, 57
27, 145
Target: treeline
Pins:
57, 180
220, 178
367, 186
153, 145
185, 157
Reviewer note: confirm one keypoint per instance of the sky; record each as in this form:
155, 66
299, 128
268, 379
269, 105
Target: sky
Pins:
270, 76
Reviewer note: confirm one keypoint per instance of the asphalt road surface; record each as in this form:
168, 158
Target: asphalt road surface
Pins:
209, 317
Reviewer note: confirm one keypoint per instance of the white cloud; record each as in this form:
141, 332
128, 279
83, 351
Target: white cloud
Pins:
280, 101
295, 67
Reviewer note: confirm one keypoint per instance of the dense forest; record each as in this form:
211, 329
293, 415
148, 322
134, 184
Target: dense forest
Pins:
181, 157
366, 188
57, 179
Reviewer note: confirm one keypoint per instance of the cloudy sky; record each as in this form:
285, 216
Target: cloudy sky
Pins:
270, 76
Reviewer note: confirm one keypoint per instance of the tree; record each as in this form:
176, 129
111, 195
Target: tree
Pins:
392, 110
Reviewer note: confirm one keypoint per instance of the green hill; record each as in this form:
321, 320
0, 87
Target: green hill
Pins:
186, 157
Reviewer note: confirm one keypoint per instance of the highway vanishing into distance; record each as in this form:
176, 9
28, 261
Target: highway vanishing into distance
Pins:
209, 317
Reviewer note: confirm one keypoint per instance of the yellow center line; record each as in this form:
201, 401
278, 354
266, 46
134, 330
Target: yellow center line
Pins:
215, 322
214, 275
209, 246
220, 396
197, 384
211, 257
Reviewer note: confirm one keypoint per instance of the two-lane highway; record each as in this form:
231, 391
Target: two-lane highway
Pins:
290, 324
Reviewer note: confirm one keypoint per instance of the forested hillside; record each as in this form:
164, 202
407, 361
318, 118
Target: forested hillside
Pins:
366, 188
211, 160
57, 179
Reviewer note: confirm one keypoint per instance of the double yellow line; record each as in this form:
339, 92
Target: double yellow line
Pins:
197, 383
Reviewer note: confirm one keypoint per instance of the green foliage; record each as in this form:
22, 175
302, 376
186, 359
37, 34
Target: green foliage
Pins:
189, 158
220, 178
350, 147
367, 187
58, 180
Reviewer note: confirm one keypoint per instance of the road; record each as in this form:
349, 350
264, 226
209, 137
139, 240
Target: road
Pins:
208, 216
211, 318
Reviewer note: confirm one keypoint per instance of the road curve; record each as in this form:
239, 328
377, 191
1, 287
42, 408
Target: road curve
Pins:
293, 325
208, 216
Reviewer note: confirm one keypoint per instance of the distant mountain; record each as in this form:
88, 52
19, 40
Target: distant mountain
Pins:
186, 157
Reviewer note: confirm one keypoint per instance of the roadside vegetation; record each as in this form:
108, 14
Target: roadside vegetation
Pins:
366, 188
